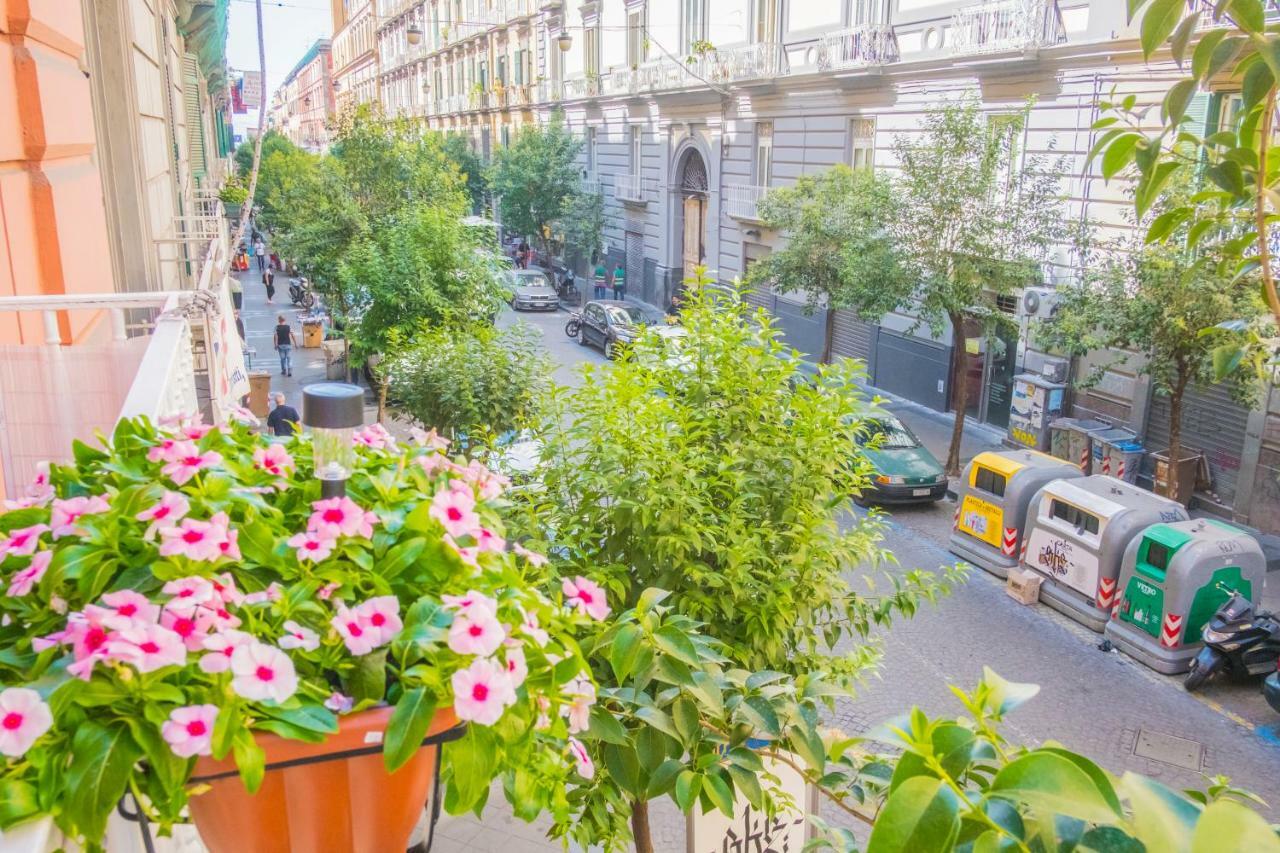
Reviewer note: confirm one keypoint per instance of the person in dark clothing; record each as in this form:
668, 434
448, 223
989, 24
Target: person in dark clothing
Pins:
283, 419
240, 326
269, 281
285, 342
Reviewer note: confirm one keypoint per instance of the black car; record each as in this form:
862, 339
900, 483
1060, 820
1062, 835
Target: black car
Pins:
609, 322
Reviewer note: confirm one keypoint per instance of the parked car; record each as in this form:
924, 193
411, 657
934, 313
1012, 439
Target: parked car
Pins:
606, 323
905, 471
532, 290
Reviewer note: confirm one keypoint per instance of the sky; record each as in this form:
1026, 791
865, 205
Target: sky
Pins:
290, 26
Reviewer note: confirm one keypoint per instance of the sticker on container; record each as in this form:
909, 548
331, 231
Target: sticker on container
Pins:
373, 737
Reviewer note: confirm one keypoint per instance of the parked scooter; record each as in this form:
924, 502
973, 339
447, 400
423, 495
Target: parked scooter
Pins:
1237, 640
300, 293
574, 325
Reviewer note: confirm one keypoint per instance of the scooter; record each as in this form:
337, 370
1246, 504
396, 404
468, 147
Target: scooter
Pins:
574, 325
1238, 640
300, 293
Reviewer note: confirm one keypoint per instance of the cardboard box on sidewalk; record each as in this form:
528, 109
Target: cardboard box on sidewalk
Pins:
312, 334
260, 393
1023, 586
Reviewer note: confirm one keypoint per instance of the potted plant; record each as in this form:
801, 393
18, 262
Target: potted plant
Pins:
233, 195
189, 621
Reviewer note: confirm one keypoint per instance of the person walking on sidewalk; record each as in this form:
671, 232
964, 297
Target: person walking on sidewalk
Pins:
600, 275
260, 252
237, 293
285, 342
283, 419
619, 282
269, 281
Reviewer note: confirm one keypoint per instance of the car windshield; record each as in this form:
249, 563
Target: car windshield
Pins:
533, 280
887, 434
625, 316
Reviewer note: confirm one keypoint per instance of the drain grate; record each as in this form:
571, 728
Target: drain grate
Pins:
1169, 749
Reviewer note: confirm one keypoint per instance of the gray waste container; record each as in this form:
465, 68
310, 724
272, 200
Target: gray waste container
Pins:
1036, 403
1069, 438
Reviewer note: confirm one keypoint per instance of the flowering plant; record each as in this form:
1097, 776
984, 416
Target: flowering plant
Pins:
171, 595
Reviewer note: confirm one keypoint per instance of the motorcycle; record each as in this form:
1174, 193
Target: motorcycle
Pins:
300, 293
574, 325
1236, 640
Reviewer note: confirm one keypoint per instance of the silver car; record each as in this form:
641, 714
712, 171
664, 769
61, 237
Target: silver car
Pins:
531, 290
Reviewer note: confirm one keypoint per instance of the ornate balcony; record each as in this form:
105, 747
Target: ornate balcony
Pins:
760, 61
633, 189
1006, 26
581, 87
857, 47
741, 201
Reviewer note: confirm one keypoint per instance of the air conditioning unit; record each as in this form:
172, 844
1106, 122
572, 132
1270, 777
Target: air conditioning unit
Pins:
1040, 303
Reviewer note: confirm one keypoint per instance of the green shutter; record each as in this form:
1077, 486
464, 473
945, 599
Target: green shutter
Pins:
195, 120
1199, 113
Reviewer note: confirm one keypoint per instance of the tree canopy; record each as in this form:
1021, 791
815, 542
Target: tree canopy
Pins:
536, 178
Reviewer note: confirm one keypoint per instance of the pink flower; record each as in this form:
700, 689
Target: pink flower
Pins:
326, 592
23, 541
429, 439
375, 437
88, 637
455, 509
358, 637
130, 606
433, 463
586, 597
535, 559
273, 592
189, 591
165, 451
582, 695
299, 637
517, 667
227, 539
196, 431
381, 616
273, 459
487, 540
471, 603
41, 488
469, 554
220, 648
341, 517
339, 704
192, 624
23, 580
148, 647
530, 628
312, 546
481, 692
476, 633
581, 759
186, 461
242, 415
24, 716
189, 730
196, 540
262, 673
488, 484
65, 514
172, 507
178, 419
224, 587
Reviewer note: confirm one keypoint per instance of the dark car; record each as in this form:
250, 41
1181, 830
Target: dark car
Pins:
531, 290
906, 471
606, 323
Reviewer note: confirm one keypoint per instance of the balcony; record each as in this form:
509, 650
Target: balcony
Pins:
1006, 26
633, 189
549, 91
763, 61
591, 184
857, 47
742, 201
581, 87
760, 61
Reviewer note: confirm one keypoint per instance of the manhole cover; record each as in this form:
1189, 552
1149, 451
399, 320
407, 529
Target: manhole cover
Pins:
1178, 751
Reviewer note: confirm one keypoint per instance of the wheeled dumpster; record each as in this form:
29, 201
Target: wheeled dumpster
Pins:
1077, 531
1036, 404
993, 497
1071, 439
1174, 578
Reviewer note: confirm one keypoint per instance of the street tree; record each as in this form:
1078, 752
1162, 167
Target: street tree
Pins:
457, 149
536, 178
841, 251
976, 220
581, 228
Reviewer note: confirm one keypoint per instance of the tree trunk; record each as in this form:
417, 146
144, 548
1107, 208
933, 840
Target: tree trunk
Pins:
382, 399
1175, 436
640, 826
960, 392
828, 340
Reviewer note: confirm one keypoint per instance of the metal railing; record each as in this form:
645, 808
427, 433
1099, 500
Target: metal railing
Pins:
760, 61
1006, 25
549, 91
581, 87
632, 188
591, 184
864, 46
742, 201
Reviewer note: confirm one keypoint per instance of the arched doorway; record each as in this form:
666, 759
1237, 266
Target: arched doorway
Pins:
692, 192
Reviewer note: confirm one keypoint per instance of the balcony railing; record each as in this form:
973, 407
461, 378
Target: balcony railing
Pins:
761, 61
742, 201
633, 189
581, 87
1006, 25
549, 91
591, 184
857, 47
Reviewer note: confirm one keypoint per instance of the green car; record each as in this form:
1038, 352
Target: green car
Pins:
906, 471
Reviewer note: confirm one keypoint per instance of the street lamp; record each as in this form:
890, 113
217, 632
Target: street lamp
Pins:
333, 411
413, 34
564, 41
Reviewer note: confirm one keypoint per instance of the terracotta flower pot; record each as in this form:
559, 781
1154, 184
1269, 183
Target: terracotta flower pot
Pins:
331, 797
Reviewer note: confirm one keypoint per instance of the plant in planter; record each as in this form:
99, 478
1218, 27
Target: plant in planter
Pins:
233, 195
182, 605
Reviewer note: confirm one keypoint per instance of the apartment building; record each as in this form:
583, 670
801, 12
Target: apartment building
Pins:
355, 57
304, 106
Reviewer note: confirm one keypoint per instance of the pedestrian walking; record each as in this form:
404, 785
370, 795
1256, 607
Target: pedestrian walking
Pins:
599, 280
283, 419
619, 282
260, 252
269, 281
237, 293
285, 342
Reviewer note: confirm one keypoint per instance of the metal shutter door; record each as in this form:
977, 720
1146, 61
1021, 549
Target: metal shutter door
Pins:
1213, 424
850, 337
191, 105
635, 263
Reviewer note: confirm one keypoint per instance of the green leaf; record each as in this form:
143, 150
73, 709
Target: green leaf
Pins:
1158, 23
604, 726
1182, 36
102, 759
718, 792
663, 779
760, 713
1119, 154
1204, 51
250, 759
1258, 81
688, 724
953, 747
313, 718
1223, 54
1150, 190
408, 726
1049, 783
225, 726
1228, 825
1005, 696
1100, 778
921, 814
650, 598
86, 455
1248, 14
1162, 819
623, 766
1177, 99
1165, 223
674, 642
18, 801
256, 542
623, 653
401, 557
469, 766
1226, 358
659, 719
748, 783
368, 678
688, 786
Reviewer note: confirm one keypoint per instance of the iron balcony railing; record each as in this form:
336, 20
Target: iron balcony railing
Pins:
863, 46
581, 87
1006, 25
742, 201
760, 61
633, 188
549, 91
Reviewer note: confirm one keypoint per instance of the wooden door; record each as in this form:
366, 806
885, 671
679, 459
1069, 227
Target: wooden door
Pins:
695, 214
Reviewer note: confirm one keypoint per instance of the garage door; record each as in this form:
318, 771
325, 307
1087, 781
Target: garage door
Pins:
912, 368
635, 263
850, 337
1212, 423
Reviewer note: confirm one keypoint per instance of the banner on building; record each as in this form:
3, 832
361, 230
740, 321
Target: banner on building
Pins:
228, 378
251, 89
237, 98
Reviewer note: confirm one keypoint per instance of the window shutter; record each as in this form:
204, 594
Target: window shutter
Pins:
195, 121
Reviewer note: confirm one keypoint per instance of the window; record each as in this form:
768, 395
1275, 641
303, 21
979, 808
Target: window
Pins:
766, 21
591, 44
502, 71
483, 74
636, 150
522, 56
693, 24
637, 41
1077, 518
986, 480
591, 151
764, 153
862, 143
1157, 556
505, 136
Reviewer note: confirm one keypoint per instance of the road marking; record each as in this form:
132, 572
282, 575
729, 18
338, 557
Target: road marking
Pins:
1230, 715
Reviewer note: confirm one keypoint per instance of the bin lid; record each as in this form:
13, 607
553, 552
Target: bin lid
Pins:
1114, 435
1083, 494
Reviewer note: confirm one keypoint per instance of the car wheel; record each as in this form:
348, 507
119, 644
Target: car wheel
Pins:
582, 337
608, 349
